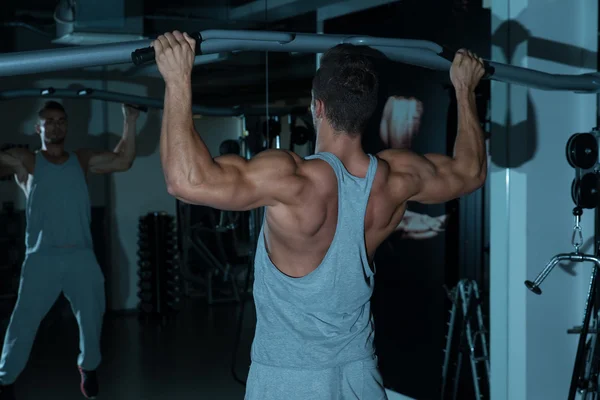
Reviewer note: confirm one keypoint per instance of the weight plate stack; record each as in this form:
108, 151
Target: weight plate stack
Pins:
582, 150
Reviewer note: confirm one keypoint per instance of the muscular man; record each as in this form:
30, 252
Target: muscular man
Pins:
59, 253
400, 122
325, 216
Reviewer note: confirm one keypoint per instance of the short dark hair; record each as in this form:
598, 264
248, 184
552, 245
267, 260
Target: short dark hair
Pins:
51, 105
347, 83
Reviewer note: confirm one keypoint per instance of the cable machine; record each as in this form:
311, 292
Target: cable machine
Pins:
582, 155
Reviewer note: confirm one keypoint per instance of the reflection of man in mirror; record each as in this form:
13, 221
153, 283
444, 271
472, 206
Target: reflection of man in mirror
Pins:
400, 121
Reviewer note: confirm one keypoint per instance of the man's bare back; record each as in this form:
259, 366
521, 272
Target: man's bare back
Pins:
299, 237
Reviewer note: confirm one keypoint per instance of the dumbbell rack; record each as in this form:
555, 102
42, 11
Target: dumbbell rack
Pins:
471, 340
160, 283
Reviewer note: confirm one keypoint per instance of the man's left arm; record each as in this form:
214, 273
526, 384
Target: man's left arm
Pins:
122, 157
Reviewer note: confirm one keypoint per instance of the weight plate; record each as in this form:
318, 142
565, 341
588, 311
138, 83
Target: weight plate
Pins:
588, 191
575, 191
582, 150
568, 150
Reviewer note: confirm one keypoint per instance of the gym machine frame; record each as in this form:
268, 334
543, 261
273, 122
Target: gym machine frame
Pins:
421, 53
143, 103
582, 154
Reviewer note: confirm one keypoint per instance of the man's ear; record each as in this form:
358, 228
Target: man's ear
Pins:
319, 109
38, 128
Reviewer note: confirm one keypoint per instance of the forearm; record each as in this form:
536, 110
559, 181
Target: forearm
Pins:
185, 158
8, 164
469, 149
125, 149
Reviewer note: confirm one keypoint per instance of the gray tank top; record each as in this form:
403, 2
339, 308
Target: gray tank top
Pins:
321, 320
58, 207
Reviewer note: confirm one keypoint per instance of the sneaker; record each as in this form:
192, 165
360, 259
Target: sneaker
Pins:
89, 383
7, 392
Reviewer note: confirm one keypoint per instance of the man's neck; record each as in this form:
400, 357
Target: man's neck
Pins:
53, 150
340, 144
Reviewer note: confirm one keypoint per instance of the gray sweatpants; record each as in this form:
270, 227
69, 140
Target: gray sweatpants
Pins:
359, 380
43, 278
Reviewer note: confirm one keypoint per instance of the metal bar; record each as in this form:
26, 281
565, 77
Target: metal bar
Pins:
416, 52
589, 305
466, 291
94, 94
116, 97
457, 373
482, 330
232, 34
449, 338
542, 80
328, 40
590, 374
39, 61
385, 42
152, 70
576, 257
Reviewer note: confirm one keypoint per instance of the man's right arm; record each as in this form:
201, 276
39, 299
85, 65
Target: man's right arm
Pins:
437, 178
15, 161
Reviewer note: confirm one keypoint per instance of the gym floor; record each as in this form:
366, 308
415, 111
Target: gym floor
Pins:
189, 357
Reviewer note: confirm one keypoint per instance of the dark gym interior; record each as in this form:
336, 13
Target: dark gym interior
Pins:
180, 316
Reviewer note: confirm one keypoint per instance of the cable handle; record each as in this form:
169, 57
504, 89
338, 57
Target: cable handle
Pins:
577, 237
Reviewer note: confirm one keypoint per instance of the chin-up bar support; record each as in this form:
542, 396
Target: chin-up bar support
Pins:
421, 53
143, 103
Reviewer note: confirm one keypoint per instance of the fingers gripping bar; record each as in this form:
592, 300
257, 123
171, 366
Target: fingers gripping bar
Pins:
147, 54
449, 54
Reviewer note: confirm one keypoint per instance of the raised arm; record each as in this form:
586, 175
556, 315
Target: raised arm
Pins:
436, 178
17, 161
192, 175
122, 157
233, 183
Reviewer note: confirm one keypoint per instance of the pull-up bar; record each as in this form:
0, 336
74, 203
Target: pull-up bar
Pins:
415, 52
143, 103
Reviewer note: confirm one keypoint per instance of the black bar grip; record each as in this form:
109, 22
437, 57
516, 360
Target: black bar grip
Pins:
450, 54
140, 108
143, 56
147, 54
